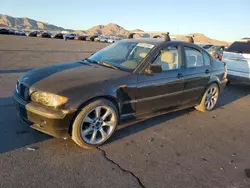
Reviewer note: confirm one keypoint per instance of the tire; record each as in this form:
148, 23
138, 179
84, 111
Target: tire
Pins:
93, 121
209, 99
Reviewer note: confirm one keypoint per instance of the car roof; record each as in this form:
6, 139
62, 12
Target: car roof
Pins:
154, 41
243, 40
157, 41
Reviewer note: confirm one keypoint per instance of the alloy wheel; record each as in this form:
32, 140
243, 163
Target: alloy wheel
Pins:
98, 124
211, 97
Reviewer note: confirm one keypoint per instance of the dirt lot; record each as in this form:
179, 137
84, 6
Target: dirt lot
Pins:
181, 149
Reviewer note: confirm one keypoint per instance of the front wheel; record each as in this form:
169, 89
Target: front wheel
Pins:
209, 99
95, 124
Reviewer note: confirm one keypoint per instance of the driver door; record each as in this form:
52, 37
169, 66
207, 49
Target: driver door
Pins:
164, 90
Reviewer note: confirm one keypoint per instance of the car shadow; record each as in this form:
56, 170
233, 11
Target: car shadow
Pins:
14, 71
128, 129
13, 133
230, 94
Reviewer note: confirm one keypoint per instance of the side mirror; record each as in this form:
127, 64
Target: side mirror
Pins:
154, 69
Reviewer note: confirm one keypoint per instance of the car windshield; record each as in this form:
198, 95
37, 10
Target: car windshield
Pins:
123, 55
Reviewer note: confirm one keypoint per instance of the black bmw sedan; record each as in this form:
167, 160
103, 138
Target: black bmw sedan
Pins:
87, 99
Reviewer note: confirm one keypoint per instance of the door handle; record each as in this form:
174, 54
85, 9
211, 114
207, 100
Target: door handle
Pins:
179, 75
207, 71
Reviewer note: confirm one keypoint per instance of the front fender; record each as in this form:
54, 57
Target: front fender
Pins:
120, 91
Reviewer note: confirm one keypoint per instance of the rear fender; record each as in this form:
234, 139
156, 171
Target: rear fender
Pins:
214, 79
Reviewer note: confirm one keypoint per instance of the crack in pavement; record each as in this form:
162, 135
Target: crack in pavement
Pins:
122, 169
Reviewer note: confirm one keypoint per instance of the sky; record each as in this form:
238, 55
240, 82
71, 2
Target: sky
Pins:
227, 20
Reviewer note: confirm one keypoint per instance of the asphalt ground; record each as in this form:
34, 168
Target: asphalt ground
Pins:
180, 149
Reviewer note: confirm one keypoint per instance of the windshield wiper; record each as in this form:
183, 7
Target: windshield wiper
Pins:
107, 65
89, 60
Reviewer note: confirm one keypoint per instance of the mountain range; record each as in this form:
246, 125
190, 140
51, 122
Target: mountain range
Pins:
110, 29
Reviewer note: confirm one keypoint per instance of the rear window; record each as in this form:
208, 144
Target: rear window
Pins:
239, 47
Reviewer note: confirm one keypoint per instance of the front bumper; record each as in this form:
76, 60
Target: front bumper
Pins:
53, 122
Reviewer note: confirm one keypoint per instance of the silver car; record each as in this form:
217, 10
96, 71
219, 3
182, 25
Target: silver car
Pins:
216, 51
237, 58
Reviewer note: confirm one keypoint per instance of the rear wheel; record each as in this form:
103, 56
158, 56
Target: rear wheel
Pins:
95, 124
209, 99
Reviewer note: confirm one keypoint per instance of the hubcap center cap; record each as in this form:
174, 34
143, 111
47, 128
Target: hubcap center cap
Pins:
97, 124
209, 97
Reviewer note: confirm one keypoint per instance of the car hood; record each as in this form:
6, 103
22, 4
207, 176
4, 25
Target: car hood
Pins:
64, 76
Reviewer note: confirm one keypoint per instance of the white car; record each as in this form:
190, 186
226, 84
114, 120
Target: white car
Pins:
103, 39
70, 36
237, 58
113, 39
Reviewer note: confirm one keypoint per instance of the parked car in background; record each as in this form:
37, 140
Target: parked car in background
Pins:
97, 39
113, 39
81, 37
44, 35
207, 46
4, 31
53, 35
216, 51
58, 36
70, 36
237, 58
34, 33
88, 38
246, 38
103, 39
91, 38
19, 33
132, 78
11, 31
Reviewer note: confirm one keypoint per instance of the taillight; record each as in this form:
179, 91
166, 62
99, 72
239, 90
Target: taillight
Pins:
220, 57
248, 41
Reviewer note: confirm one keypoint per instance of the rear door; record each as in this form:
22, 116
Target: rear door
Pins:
237, 57
197, 73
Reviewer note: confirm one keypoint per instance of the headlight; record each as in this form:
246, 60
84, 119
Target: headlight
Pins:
48, 99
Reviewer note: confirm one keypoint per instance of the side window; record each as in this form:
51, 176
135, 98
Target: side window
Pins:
207, 60
193, 57
168, 59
